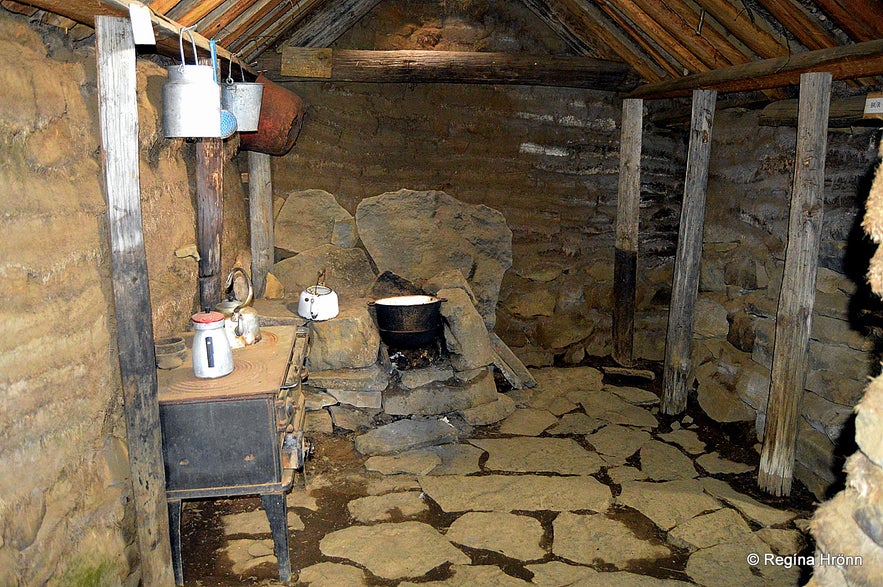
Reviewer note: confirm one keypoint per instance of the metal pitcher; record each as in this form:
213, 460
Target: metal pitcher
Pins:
241, 323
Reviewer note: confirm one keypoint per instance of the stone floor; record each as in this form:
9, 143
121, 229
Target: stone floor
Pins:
583, 484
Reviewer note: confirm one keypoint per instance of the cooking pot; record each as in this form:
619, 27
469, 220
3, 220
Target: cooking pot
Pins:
318, 302
408, 321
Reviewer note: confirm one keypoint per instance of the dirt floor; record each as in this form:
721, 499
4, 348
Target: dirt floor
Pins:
342, 477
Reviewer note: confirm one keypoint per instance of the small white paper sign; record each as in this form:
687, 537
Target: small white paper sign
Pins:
142, 25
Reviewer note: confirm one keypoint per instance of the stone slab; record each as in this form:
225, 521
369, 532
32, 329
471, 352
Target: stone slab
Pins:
669, 503
416, 462
723, 525
404, 435
511, 535
594, 538
618, 441
473, 576
390, 506
527, 422
489, 413
634, 395
575, 423
714, 464
457, 459
558, 574
506, 493
751, 508
331, 575
686, 439
609, 407
664, 462
539, 455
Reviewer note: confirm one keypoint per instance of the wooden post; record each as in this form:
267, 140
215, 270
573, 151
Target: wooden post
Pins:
118, 117
682, 312
260, 210
794, 316
625, 261
209, 218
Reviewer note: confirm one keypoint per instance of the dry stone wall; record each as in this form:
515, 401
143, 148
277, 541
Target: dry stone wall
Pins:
66, 514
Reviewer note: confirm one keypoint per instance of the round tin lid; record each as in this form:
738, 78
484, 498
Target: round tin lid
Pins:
207, 317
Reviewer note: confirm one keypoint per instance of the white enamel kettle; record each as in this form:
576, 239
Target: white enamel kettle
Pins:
318, 302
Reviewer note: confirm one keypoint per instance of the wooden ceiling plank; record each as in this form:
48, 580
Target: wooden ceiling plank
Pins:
258, 11
638, 36
162, 6
196, 10
803, 26
862, 20
326, 23
660, 35
277, 30
844, 62
736, 20
597, 25
559, 22
704, 25
212, 28
676, 26
253, 34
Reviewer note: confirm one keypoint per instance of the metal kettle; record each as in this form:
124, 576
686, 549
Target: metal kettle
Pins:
242, 323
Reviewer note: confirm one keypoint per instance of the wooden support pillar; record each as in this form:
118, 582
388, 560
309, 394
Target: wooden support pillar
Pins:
685, 285
625, 261
260, 210
209, 218
118, 117
794, 315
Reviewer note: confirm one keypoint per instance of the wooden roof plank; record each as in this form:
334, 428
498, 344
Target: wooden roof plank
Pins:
257, 11
212, 28
736, 20
326, 23
702, 24
560, 23
663, 61
193, 11
597, 24
804, 28
277, 30
845, 62
162, 6
862, 20
659, 34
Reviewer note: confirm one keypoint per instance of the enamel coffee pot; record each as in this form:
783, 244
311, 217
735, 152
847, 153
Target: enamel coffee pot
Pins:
212, 356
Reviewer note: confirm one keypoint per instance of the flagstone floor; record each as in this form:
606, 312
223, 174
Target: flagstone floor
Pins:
584, 484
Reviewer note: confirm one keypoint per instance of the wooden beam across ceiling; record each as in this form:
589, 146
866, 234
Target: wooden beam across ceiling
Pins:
735, 19
862, 20
311, 64
325, 24
665, 61
844, 63
560, 23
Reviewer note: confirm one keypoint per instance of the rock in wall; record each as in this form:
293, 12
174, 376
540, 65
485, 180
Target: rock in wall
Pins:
66, 509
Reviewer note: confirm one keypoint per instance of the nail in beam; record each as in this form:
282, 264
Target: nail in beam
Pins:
678, 368
118, 118
625, 261
794, 315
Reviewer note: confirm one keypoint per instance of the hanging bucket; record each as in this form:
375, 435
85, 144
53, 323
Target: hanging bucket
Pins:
192, 100
243, 99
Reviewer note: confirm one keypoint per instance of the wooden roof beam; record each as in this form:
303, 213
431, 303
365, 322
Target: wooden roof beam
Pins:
800, 24
560, 23
735, 19
598, 25
667, 61
250, 20
641, 23
188, 13
323, 64
844, 63
862, 20
326, 23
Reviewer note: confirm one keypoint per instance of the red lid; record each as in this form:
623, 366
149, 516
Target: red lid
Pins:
207, 317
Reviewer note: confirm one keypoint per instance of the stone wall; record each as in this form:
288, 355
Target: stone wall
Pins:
66, 510
743, 259
546, 158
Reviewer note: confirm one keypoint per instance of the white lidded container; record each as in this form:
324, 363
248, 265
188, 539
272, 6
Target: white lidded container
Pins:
212, 356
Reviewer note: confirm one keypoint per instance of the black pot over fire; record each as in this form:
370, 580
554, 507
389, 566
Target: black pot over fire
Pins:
408, 322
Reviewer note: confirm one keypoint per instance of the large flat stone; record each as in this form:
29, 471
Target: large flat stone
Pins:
348, 272
511, 535
326, 222
382, 508
626, 579
751, 508
349, 341
440, 398
537, 455
506, 493
418, 235
686, 439
416, 462
667, 504
723, 525
331, 575
589, 539
404, 435
713, 464
370, 378
575, 423
558, 574
609, 407
413, 378
472, 576
489, 413
393, 550
457, 459
664, 462
466, 335
618, 441
725, 564
634, 395
527, 422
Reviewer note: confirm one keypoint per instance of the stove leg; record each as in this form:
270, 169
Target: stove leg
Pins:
274, 505
175, 539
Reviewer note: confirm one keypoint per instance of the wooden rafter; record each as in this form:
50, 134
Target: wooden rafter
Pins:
232, 12
277, 30
800, 24
646, 41
703, 26
248, 21
736, 20
844, 63
195, 11
710, 55
862, 20
162, 6
598, 25
323, 25
560, 23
